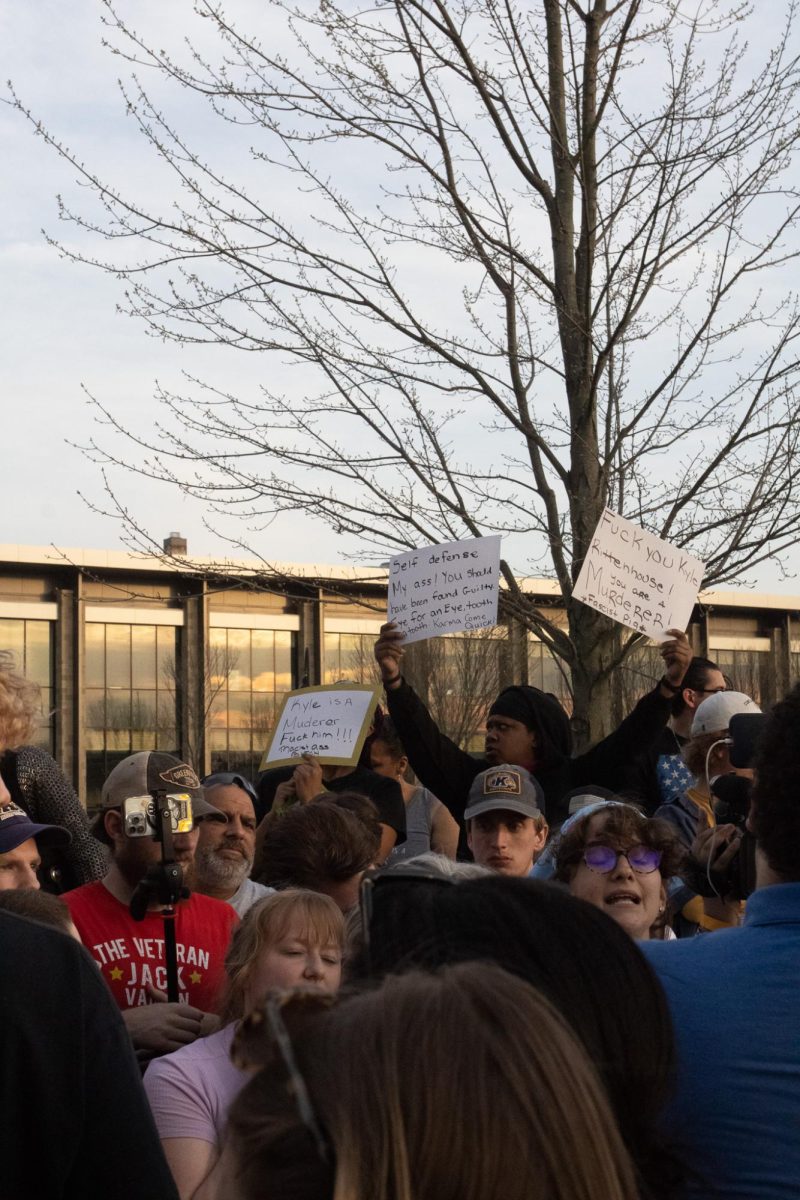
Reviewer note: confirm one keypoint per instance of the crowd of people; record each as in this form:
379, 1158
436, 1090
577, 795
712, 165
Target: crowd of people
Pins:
425, 976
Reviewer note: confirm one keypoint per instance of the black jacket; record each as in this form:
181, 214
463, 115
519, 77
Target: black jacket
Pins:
76, 1122
448, 771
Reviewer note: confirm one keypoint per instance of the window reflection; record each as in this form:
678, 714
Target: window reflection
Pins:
350, 656
31, 644
130, 674
249, 671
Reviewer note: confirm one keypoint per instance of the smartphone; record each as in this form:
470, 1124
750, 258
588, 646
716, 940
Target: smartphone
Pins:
745, 730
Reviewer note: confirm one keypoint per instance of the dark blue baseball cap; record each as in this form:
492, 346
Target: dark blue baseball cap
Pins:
16, 827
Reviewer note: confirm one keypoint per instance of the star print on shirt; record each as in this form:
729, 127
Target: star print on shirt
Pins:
116, 973
195, 977
673, 776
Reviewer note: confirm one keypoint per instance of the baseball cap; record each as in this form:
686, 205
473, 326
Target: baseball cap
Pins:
714, 714
16, 827
145, 772
507, 787
586, 797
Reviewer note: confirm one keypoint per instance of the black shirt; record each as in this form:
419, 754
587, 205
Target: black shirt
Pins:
384, 793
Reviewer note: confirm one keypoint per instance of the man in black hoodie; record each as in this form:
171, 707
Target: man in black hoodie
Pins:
527, 728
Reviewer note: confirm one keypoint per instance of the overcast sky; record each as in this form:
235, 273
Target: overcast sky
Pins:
60, 328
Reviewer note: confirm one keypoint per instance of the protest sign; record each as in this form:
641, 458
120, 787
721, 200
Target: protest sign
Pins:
638, 579
329, 722
445, 589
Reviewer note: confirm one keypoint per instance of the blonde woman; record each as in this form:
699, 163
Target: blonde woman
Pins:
461, 1085
30, 778
289, 938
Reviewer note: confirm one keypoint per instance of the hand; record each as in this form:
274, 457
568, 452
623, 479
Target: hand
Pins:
162, 1027
285, 796
307, 779
716, 846
209, 1024
677, 654
389, 653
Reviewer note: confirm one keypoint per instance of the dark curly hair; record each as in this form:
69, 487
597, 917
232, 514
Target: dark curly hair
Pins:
624, 826
776, 796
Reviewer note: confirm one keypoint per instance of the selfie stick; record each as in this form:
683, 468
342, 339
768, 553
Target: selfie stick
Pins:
163, 882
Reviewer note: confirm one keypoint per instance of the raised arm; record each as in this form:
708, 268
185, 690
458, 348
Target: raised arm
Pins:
608, 763
442, 766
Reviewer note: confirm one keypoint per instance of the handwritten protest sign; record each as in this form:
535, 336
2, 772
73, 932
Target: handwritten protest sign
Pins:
444, 589
638, 579
329, 722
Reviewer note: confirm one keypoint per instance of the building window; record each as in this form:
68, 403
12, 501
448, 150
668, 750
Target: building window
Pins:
545, 673
31, 643
458, 676
130, 679
350, 656
249, 672
748, 671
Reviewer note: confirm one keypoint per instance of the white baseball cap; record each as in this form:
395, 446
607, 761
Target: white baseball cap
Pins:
715, 713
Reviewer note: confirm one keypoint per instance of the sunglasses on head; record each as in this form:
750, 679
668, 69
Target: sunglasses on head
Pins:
264, 1032
379, 878
603, 859
226, 778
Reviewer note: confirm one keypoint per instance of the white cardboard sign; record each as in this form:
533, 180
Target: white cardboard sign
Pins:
638, 579
446, 588
329, 722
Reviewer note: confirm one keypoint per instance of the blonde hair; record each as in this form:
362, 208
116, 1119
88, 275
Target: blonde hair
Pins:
20, 701
460, 1085
265, 924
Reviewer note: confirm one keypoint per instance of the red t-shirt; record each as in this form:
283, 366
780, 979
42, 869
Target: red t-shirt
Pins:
130, 954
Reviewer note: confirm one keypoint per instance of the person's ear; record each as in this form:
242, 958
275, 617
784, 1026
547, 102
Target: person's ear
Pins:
402, 766
662, 903
541, 836
113, 824
688, 695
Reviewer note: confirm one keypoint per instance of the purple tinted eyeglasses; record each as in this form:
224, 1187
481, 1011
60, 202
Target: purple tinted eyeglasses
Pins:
603, 859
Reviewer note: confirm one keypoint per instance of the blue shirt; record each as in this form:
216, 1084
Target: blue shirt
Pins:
735, 1002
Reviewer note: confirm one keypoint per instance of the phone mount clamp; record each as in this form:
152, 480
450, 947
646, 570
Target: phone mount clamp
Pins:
162, 883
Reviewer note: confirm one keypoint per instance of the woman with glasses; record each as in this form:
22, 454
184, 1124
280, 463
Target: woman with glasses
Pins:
620, 861
463, 1083
290, 938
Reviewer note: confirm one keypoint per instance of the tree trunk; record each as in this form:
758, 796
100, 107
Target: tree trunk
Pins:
596, 708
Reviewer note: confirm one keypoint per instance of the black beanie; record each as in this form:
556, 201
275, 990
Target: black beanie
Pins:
543, 715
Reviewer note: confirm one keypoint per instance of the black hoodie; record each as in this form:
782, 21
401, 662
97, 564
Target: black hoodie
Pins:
447, 771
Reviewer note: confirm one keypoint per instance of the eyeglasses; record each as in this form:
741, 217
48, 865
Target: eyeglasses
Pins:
710, 691
373, 879
603, 859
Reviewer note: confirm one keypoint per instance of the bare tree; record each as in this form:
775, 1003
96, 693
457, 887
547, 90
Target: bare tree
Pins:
200, 704
458, 678
524, 260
